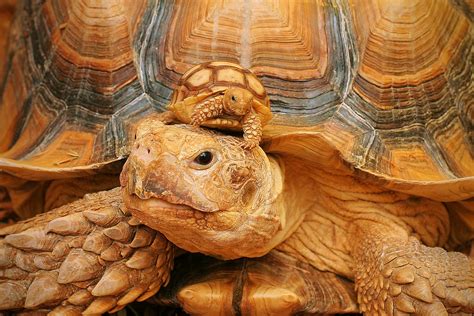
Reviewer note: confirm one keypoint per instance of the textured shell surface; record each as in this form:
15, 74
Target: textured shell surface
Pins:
217, 76
387, 84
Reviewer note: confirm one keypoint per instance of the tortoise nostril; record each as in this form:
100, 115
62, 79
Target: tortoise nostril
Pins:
135, 136
148, 150
138, 146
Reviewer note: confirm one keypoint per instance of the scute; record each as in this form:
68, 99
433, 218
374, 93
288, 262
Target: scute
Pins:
70, 95
221, 76
199, 78
231, 76
255, 85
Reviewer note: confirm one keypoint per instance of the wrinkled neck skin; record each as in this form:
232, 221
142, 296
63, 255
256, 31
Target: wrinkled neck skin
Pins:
343, 210
287, 209
294, 201
241, 205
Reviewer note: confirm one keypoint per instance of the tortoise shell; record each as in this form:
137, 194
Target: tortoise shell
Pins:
217, 76
209, 78
70, 96
391, 93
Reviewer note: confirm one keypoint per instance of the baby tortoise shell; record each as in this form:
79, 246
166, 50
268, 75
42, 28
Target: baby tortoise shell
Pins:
223, 95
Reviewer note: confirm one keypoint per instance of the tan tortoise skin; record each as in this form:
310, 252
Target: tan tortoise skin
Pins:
331, 218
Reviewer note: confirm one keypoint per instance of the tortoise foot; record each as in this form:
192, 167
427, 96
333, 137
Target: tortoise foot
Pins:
252, 127
249, 144
206, 110
414, 279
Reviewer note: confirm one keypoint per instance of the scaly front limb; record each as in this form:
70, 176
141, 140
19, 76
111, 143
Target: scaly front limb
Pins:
88, 257
208, 109
397, 275
252, 127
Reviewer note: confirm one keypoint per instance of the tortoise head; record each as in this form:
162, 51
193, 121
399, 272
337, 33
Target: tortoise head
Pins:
203, 191
237, 101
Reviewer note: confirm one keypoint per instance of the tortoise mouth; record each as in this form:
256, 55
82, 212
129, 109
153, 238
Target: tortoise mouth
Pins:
157, 203
165, 201
161, 203
155, 211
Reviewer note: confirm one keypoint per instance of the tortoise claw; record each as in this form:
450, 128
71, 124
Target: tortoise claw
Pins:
194, 123
249, 144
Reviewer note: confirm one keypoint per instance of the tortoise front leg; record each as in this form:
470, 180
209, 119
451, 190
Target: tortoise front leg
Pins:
252, 127
397, 275
90, 256
206, 110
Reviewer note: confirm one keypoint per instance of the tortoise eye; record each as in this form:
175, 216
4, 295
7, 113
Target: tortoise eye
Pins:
203, 160
233, 98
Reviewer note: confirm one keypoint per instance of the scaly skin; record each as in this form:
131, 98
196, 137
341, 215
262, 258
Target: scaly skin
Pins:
88, 257
393, 274
252, 130
246, 203
208, 109
384, 241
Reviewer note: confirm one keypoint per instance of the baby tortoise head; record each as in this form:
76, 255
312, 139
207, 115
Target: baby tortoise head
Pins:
237, 101
202, 190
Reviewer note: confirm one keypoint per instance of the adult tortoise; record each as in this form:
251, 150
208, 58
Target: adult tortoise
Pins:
379, 89
238, 203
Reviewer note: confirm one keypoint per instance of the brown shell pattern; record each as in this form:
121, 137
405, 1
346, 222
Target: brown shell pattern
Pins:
388, 83
216, 76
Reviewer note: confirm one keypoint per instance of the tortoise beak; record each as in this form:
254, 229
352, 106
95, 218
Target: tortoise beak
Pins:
160, 178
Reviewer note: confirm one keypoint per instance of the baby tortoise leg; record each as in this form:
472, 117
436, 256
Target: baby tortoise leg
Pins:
252, 127
206, 110
167, 117
400, 276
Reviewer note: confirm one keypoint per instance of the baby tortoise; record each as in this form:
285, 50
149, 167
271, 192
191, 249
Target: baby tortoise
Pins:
223, 95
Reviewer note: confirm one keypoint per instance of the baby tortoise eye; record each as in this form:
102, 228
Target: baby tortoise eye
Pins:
233, 98
204, 158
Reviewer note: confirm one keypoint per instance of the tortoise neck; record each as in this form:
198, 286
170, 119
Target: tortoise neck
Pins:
293, 200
